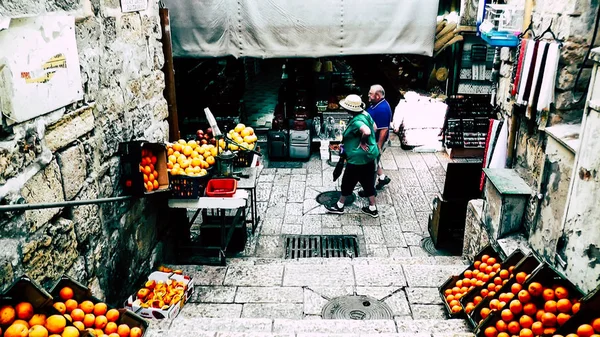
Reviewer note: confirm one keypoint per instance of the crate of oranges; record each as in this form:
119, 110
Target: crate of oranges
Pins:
511, 288
485, 264
26, 310
537, 305
586, 322
471, 301
89, 314
143, 167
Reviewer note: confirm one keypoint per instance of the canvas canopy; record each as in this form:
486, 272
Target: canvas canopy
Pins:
301, 28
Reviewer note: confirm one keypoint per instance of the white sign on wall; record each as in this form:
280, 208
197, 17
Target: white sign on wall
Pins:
39, 67
133, 5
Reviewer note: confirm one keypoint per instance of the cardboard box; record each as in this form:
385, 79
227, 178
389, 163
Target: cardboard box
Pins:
132, 177
159, 313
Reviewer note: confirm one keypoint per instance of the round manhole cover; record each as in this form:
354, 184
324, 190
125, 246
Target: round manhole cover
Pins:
356, 307
429, 247
330, 197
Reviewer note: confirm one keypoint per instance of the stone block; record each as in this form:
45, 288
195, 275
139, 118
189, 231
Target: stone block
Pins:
86, 218
423, 296
330, 327
317, 275
214, 294
430, 275
266, 275
45, 186
428, 311
6, 275
573, 52
398, 303
73, 169
269, 295
34, 7
379, 276
69, 128
19, 152
273, 310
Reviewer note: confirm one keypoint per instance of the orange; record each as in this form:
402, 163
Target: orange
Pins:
100, 322
550, 306
454, 303
60, 306
56, 323
515, 288
524, 296
585, 330
79, 325
564, 305
146, 178
549, 331
575, 308
7, 315
135, 332
573, 335
468, 274
466, 282
498, 280
490, 261
123, 330
87, 306
68, 317
548, 294
491, 332
503, 334
561, 293
477, 300
549, 320
539, 314
71, 305
484, 292
520, 277
38, 331
491, 286
89, 320
20, 321
498, 287
485, 312
511, 268
537, 328
100, 309
494, 304
484, 258
70, 331
448, 292
16, 330
501, 326
147, 170
78, 315
526, 333
516, 307
66, 293
112, 315
596, 325
489, 270
449, 298
562, 318
514, 327
24, 310
504, 274
507, 315
156, 185
535, 289
530, 309
37, 319
114, 335
155, 174
111, 327
456, 309
526, 321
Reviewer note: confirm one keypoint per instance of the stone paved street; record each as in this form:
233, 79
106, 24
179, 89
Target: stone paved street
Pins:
259, 293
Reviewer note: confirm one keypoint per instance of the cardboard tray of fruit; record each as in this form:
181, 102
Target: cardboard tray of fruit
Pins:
76, 300
585, 322
163, 295
26, 309
543, 302
144, 167
525, 267
453, 289
472, 299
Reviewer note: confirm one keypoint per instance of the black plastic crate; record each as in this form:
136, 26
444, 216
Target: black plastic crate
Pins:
187, 187
589, 310
243, 159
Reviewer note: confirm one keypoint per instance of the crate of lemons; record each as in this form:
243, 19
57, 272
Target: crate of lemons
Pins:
243, 136
190, 158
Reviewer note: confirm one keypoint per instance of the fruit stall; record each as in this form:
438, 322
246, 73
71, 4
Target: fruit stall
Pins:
519, 296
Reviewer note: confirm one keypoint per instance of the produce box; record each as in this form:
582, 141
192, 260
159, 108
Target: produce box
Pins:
143, 164
31, 303
473, 298
81, 293
188, 187
544, 302
528, 265
147, 305
586, 319
456, 287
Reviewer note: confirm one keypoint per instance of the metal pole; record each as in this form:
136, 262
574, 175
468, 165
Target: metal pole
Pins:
28, 207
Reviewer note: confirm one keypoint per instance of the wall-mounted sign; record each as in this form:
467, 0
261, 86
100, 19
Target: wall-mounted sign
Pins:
39, 68
133, 5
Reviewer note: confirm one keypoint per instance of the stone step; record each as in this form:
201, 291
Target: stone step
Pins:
186, 326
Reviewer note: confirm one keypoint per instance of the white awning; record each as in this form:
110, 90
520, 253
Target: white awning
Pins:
301, 28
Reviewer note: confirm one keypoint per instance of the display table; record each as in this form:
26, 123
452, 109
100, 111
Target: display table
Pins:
249, 184
221, 205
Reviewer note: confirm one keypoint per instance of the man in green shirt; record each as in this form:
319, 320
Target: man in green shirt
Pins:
361, 151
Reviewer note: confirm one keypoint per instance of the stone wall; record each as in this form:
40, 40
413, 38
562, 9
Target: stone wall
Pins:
71, 154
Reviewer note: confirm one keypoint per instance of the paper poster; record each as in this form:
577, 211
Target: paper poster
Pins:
133, 5
39, 68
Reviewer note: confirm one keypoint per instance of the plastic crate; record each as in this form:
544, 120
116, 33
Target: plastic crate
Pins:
187, 187
243, 159
221, 187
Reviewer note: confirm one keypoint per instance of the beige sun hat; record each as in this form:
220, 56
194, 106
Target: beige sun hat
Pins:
352, 103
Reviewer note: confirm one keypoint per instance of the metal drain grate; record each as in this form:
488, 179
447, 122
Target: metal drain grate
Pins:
330, 197
304, 246
357, 308
429, 247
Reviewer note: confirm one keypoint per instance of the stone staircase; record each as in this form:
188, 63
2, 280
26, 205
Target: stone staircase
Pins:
276, 297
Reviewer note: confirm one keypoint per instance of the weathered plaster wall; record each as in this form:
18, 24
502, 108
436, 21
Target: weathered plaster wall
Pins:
70, 154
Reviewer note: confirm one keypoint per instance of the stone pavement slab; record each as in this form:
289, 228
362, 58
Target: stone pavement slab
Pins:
181, 323
313, 302
269, 295
423, 295
425, 311
269, 246
273, 310
259, 275
429, 275
210, 310
380, 275
333, 326
317, 275
213, 294
432, 326
398, 303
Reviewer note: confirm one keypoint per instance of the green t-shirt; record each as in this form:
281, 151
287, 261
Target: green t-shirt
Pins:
352, 135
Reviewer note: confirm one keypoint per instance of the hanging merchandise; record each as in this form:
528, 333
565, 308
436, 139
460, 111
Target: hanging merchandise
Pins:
540, 64
498, 159
517, 75
546, 96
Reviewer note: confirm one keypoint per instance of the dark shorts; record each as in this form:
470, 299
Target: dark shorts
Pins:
363, 174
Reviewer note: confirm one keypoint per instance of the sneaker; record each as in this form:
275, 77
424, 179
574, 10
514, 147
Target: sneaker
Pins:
368, 211
381, 183
361, 194
334, 209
